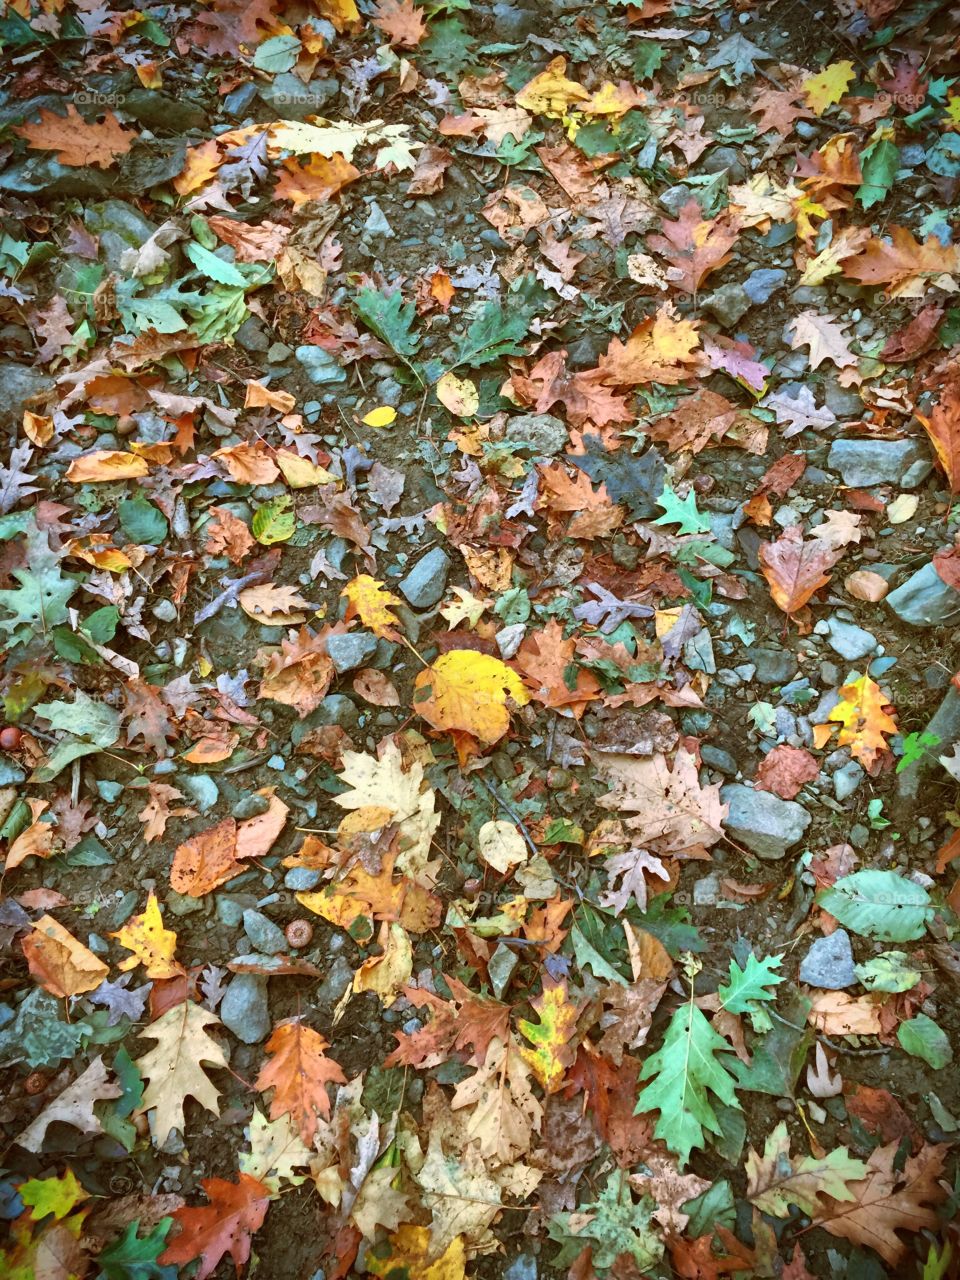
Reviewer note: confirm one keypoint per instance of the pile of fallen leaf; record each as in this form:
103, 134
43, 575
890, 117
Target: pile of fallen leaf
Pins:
427, 422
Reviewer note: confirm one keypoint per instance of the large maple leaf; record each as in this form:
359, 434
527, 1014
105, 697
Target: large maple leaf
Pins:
662, 348
796, 569
695, 246
907, 267
550, 672
888, 1201
172, 1068
672, 812
236, 1210
466, 692
76, 142
298, 1075
583, 395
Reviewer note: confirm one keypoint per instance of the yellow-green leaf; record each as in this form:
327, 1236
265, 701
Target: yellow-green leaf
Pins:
275, 521
380, 417
553, 1037
828, 86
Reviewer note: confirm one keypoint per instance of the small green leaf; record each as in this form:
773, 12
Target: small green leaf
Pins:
101, 625
390, 319
279, 53
879, 904
879, 164
214, 268
922, 1037
132, 1258
614, 1226
682, 512
493, 334
142, 522
275, 521
749, 985
891, 972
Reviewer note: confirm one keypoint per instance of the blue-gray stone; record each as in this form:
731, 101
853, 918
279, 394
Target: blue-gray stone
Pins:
301, 879
850, 641
523, 1267
717, 758
423, 585
320, 366
760, 820
263, 933
540, 433
202, 790
728, 304
864, 463
352, 650
829, 963
760, 285
338, 978
847, 779
925, 600
244, 1010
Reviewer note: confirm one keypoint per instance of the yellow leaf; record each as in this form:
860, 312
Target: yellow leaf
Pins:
864, 720
370, 601
828, 86
466, 692
152, 945
106, 464
409, 1253
551, 93
301, 473
386, 975
459, 395
553, 1037
380, 417
37, 428
501, 846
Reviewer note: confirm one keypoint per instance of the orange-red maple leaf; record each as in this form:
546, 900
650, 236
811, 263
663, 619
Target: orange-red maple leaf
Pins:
299, 1074
236, 1210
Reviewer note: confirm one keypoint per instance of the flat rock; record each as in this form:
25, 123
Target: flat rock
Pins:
244, 1010
17, 384
347, 652
263, 933
829, 963
925, 600
765, 824
864, 463
423, 585
728, 304
774, 666
339, 976
540, 433
850, 641
320, 366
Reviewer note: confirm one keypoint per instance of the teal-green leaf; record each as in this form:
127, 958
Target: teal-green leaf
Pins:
749, 985
684, 1073
923, 1038
390, 319
879, 904
878, 164
142, 522
131, 1257
214, 268
493, 334
613, 1226
279, 53
682, 512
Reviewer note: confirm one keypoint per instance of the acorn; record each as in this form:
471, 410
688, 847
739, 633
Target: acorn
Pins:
10, 737
299, 933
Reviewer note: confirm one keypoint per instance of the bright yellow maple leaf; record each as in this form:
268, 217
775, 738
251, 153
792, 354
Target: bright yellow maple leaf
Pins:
152, 945
551, 93
553, 1036
466, 692
864, 720
370, 601
410, 1252
828, 86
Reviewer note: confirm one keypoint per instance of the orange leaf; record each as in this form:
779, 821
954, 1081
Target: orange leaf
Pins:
206, 860
943, 428
236, 1211
106, 464
545, 661
402, 22
76, 142
39, 840
319, 179
299, 1074
796, 569
58, 962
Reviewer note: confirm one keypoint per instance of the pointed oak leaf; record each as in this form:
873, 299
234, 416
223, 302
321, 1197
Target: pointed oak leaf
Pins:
887, 1201
74, 1106
824, 337
864, 720
236, 1211
795, 569
370, 601
77, 142
172, 1069
299, 1074
907, 267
